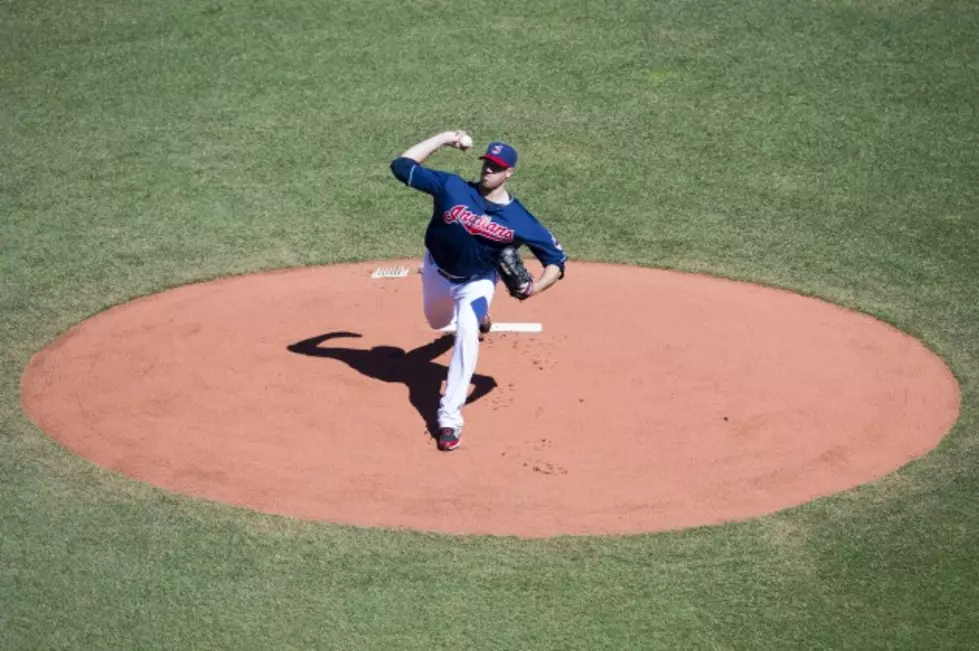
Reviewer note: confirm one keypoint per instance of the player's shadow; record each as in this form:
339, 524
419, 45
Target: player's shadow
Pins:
416, 369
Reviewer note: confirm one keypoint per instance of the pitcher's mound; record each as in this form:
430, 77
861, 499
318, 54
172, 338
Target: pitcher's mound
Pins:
651, 400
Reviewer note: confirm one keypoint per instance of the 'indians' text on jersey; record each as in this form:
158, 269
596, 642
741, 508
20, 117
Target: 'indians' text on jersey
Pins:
466, 231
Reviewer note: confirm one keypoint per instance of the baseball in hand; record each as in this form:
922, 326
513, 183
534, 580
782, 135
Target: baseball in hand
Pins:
465, 142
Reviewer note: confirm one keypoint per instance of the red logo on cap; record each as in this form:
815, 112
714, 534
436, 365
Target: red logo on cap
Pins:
497, 149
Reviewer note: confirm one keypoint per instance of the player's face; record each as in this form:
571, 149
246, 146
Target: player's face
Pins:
493, 176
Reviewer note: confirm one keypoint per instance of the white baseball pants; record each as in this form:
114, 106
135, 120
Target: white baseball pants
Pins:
465, 304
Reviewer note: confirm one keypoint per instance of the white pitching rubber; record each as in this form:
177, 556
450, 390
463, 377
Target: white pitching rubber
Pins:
504, 327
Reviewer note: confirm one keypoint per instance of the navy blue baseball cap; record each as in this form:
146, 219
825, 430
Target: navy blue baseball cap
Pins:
501, 153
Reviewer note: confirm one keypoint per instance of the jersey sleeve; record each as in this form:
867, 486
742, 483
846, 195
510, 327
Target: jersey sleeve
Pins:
417, 176
541, 242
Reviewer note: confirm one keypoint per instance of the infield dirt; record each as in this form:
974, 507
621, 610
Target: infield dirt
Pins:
652, 400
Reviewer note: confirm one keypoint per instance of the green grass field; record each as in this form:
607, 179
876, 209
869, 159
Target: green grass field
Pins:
830, 147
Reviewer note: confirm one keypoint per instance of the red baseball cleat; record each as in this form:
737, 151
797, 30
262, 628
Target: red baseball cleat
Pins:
449, 438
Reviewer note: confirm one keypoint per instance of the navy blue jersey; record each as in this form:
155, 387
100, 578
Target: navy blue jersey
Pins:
466, 231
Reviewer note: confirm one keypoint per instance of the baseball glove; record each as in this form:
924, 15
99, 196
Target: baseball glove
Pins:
514, 274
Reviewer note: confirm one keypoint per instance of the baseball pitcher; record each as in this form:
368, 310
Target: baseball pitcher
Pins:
471, 242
